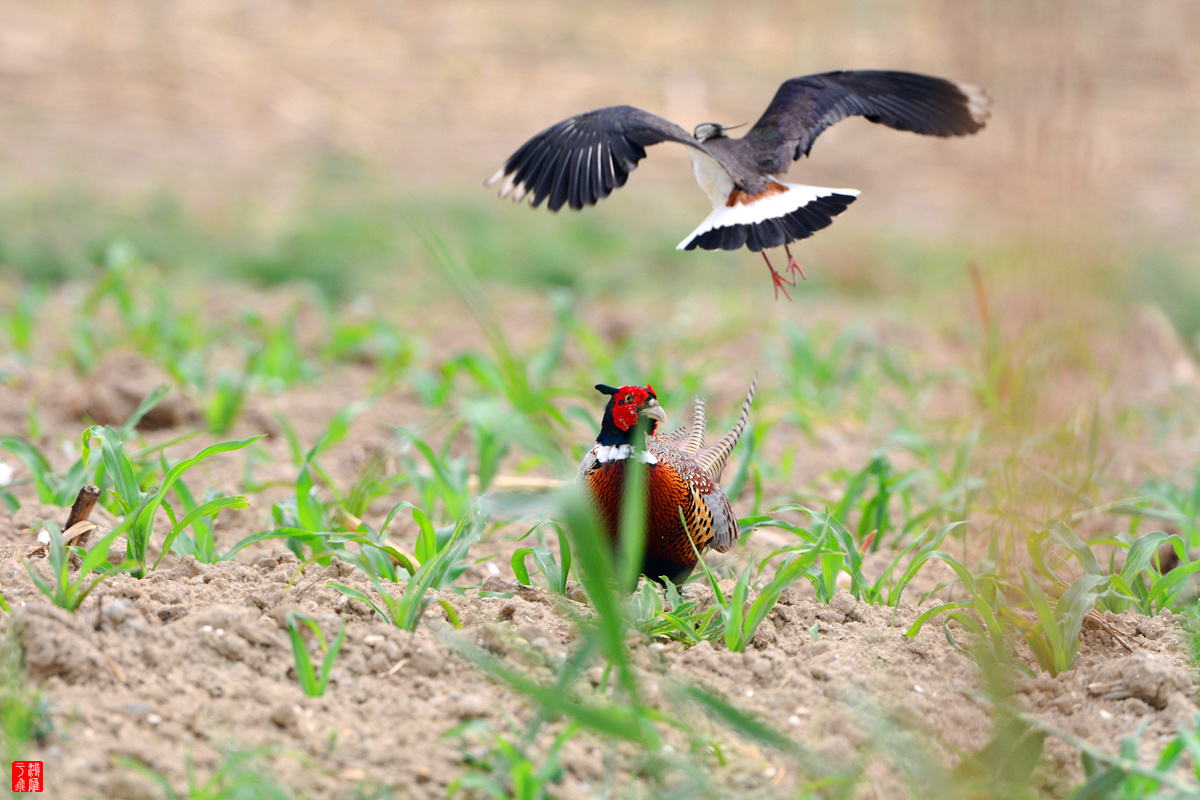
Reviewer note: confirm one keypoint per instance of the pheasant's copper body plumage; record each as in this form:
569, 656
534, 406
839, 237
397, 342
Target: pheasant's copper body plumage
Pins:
681, 479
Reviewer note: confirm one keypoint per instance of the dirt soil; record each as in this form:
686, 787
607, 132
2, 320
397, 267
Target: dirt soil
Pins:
194, 659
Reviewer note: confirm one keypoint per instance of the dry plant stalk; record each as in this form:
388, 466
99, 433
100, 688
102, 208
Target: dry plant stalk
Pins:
85, 501
78, 528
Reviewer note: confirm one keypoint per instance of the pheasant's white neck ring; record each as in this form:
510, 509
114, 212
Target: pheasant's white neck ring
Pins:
619, 452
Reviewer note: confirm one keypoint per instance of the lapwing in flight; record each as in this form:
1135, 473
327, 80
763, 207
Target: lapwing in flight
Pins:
582, 159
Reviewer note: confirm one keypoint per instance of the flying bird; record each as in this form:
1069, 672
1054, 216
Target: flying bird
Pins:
686, 511
582, 159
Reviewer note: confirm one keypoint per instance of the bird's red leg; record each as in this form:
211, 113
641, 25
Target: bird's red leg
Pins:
779, 281
793, 266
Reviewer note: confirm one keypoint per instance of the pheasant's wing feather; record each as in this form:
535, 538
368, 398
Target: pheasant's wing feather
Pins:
682, 490
724, 521
584, 158
804, 107
674, 438
588, 463
712, 459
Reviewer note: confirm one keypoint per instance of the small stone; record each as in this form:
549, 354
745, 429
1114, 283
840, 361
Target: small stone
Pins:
232, 647
426, 663
1149, 629
472, 706
115, 611
762, 668
168, 594
187, 567
846, 605
172, 613
286, 716
137, 709
377, 662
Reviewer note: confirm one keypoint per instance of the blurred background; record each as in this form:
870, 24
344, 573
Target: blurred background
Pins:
326, 140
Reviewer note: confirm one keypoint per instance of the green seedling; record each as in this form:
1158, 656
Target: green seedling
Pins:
312, 683
444, 480
508, 373
372, 483
740, 616
304, 511
59, 488
25, 717
224, 400
985, 599
64, 591
201, 542
52, 488
676, 618
19, 321
373, 341
239, 774
1123, 776
819, 369
438, 570
556, 575
1163, 500
374, 554
274, 359
104, 453
504, 770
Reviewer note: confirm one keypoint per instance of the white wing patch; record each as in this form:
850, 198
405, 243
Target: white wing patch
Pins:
770, 207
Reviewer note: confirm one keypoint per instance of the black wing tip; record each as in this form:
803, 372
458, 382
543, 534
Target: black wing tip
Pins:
940, 107
801, 223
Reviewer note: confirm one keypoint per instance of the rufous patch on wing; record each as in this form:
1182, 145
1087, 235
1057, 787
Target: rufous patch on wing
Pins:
738, 197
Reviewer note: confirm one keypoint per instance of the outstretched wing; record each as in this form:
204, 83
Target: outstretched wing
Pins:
582, 159
804, 107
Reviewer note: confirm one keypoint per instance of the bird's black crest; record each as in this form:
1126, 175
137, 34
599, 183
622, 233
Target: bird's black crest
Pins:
602, 389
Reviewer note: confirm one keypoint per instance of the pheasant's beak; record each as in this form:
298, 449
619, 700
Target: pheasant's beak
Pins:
654, 412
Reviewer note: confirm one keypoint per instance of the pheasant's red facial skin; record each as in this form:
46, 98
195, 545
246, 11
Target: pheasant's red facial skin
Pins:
628, 403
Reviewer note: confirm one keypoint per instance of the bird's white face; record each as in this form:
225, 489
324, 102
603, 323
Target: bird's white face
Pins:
708, 130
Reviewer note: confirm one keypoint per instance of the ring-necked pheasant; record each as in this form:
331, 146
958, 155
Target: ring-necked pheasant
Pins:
582, 159
681, 477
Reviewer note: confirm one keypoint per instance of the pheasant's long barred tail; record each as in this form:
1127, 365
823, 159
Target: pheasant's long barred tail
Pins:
713, 459
689, 439
695, 438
